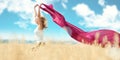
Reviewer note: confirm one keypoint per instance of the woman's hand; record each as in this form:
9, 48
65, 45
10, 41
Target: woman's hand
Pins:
36, 5
40, 5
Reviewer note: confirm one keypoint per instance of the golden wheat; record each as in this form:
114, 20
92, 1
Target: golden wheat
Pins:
51, 51
58, 51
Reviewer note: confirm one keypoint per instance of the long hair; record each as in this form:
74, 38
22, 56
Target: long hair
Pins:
44, 21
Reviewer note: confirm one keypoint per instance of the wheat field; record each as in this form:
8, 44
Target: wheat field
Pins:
54, 51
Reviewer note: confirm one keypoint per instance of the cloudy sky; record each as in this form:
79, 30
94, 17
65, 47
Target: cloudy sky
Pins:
16, 16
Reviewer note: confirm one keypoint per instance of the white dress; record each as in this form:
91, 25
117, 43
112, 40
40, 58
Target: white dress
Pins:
38, 35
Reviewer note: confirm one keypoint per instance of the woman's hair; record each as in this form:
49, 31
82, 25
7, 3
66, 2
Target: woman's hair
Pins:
44, 21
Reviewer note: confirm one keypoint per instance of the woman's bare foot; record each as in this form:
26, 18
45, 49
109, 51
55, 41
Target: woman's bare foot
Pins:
38, 45
41, 43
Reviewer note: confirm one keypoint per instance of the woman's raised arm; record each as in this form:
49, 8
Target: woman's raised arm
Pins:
35, 12
39, 12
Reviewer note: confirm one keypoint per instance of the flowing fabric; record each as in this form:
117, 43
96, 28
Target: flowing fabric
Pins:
60, 20
75, 32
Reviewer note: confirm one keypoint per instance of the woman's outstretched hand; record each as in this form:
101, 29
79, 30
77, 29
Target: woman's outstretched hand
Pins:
40, 5
36, 5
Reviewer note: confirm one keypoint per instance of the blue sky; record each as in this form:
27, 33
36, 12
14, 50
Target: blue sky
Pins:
17, 16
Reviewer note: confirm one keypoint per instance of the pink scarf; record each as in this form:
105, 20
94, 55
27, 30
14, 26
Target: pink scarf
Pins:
75, 32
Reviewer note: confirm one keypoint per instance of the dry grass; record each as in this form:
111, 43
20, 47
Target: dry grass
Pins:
51, 51
57, 51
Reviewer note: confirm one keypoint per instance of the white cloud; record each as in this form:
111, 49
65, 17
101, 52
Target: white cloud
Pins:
110, 12
24, 8
83, 10
65, 1
109, 19
47, 1
22, 24
101, 2
64, 5
3, 5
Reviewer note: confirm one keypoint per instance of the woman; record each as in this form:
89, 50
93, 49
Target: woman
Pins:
41, 25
